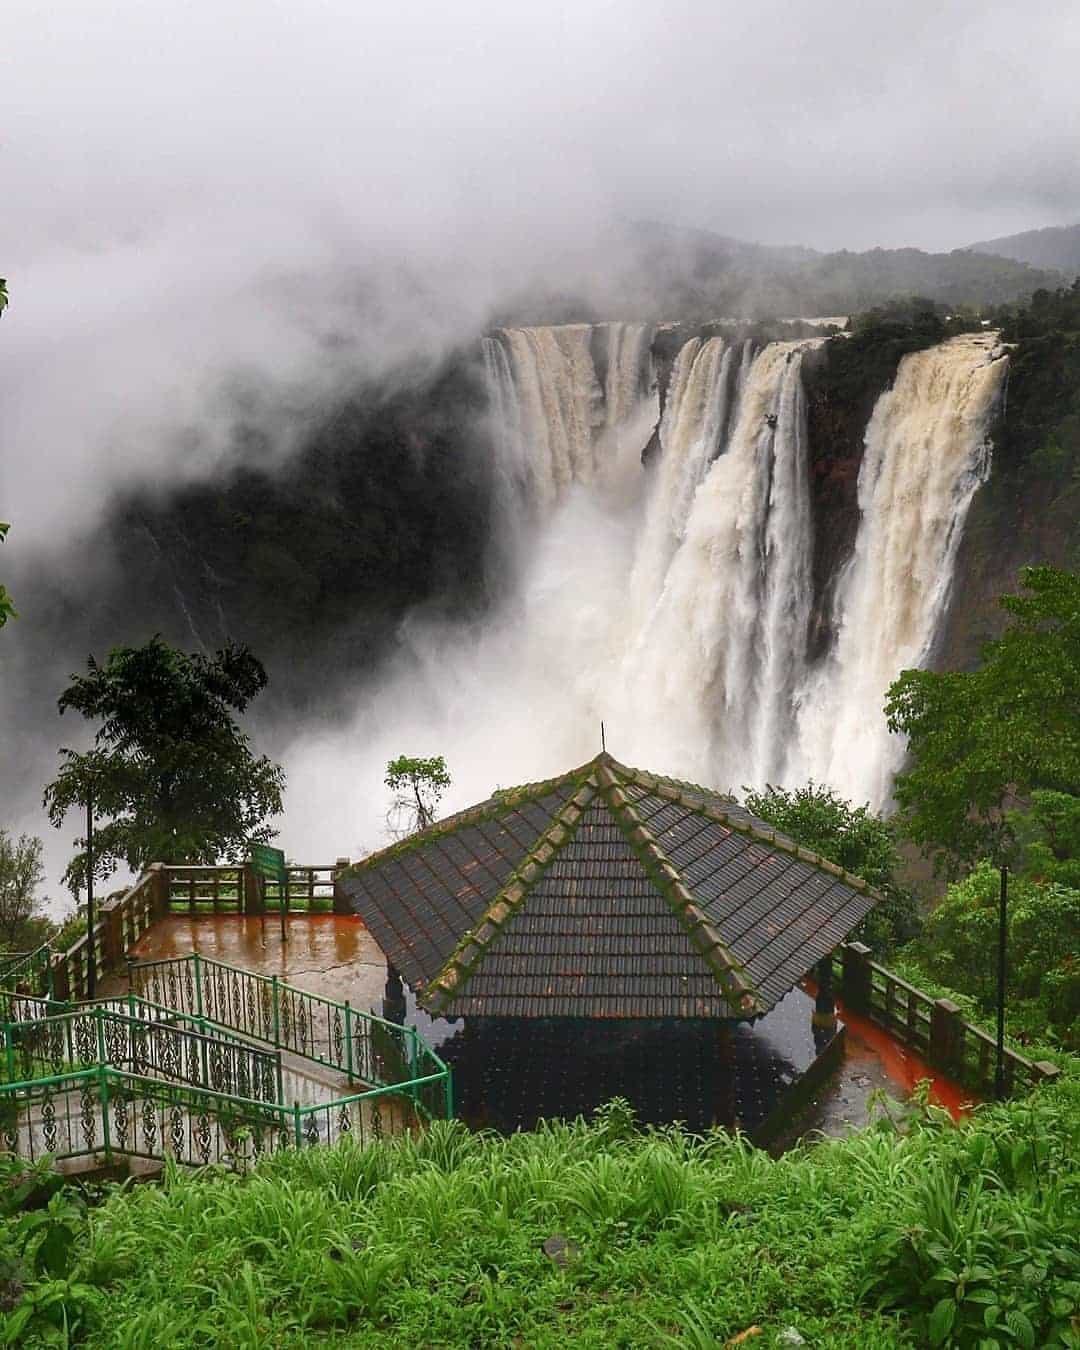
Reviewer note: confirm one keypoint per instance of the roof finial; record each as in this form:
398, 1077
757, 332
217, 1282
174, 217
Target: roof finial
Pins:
603, 742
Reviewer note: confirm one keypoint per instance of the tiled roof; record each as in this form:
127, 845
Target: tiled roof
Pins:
608, 892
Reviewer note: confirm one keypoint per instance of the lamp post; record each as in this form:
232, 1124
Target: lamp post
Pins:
1003, 934
91, 955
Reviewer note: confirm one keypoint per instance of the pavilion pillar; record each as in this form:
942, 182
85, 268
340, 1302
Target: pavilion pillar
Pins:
342, 904
394, 996
825, 1002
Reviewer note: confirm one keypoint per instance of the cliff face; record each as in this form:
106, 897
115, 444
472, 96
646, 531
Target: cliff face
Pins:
314, 563
1029, 510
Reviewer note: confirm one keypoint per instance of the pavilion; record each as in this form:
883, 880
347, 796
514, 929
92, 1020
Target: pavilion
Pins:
627, 929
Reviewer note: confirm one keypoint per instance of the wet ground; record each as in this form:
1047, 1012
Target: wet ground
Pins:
507, 1074
329, 954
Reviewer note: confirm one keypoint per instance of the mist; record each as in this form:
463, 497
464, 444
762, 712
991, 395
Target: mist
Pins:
223, 215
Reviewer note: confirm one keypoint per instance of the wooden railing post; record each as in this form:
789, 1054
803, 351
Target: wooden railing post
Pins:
112, 946
252, 898
159, 890
946, 1029
61, 979
857, 978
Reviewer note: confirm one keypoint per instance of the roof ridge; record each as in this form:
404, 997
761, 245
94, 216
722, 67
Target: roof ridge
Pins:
467, 956
728, 971
668, 789
501, 799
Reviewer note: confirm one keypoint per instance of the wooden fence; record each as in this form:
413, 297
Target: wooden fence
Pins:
934, 1027
223, 890
165, 889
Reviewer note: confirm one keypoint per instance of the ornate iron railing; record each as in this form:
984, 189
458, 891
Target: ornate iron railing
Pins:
103, 1112
334, 1035
143, 1040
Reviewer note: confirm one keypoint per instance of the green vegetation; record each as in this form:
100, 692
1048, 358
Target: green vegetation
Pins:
981, 739
417, 785
854, 839
23, 925
994, 781
923, 1235
170, 770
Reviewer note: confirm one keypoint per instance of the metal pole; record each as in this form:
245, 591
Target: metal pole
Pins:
197, 964
1003, 935
91, 956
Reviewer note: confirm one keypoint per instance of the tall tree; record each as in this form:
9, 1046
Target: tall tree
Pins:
22, 923
981, 739
170, 773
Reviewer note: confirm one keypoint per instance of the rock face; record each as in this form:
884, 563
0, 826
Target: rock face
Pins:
312, 563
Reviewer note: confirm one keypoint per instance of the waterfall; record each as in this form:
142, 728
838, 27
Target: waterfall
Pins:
714, 666
926, 454
690, 431
673, 599
628, 380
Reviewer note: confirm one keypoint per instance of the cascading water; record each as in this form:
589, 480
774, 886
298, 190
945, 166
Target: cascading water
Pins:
671, 599
926, 454
702, 668
710, 673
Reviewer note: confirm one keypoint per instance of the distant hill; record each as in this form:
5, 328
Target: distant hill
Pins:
1057, 247
659, 271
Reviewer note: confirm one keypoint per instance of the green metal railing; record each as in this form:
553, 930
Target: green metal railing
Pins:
102, 1112
33, 968
140, 1039
334, 1035
181, 1073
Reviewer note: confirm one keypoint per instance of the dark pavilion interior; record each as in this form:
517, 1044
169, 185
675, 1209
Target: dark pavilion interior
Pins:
614, 933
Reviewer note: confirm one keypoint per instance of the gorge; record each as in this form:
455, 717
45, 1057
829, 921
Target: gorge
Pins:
722, 541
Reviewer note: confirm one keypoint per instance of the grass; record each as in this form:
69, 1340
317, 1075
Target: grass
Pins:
930, 1235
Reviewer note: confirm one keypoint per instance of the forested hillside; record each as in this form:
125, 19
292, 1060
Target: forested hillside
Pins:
1056, 247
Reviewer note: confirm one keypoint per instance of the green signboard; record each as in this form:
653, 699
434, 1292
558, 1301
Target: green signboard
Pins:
269, 863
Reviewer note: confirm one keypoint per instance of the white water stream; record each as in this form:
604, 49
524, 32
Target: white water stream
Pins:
672, 600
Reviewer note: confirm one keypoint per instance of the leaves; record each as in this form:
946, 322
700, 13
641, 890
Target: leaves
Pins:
981, 738
418, 785
170, 772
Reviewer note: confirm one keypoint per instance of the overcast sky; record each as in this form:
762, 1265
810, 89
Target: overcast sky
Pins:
183, 181
836, 123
